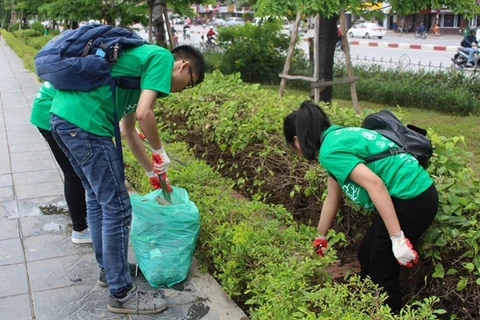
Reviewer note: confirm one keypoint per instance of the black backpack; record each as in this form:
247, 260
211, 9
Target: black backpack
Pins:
410, 138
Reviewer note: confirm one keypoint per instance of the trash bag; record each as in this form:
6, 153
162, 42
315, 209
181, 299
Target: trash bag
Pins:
164, 236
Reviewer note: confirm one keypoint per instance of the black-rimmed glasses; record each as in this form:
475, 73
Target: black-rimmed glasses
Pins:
191, 85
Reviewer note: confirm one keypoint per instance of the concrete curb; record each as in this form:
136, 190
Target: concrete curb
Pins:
394, 45
218, 300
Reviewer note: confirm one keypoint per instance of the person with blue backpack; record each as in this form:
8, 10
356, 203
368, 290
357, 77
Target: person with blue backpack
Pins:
115, 75
396, 186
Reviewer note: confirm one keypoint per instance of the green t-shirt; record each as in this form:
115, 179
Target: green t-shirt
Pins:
343, 148
93, 111
40, 115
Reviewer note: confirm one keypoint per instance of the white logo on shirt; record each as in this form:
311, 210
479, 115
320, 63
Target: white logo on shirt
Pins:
369, 135
351, 191
131, 107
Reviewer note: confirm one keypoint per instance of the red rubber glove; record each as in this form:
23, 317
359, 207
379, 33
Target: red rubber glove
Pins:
155, 181
403, 250
320, 243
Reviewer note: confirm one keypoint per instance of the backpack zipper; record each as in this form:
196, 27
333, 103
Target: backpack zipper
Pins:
87, 48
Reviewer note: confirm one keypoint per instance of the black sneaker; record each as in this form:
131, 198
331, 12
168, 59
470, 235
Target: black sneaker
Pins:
137, 302
102, 279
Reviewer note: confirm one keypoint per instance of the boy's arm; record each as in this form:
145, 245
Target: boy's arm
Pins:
146, 117
148, 124
134, 142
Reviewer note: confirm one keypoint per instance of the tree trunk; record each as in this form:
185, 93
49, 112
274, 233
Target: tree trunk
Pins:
158, 21
327, 39
13, 14
149, 23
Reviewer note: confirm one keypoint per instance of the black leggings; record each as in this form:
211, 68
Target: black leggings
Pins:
375, 252
73, 188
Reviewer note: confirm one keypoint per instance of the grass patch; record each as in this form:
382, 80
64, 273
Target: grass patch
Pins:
444, 124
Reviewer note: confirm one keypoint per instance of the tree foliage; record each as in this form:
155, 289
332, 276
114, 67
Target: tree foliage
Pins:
327, 8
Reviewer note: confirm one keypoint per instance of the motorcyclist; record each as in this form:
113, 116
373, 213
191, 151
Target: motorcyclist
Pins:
186, 30
421, 29
210, 35
467, 45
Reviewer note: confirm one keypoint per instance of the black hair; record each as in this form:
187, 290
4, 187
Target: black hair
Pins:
308, 124
195, 57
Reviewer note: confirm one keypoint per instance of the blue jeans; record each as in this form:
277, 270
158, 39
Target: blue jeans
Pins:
471, 52
109, 211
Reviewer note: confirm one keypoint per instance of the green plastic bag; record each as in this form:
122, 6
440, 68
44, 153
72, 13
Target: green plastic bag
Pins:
164, 236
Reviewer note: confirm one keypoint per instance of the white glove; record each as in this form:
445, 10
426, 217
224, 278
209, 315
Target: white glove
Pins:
403, 250
160, 161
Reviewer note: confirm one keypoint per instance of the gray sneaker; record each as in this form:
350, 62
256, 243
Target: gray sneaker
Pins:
81, 236
102, 278
138, 302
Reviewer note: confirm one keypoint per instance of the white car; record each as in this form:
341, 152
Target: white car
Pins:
233, 21
366, 30
217, 22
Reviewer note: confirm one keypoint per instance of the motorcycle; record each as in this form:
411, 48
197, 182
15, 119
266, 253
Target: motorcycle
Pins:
209, 41
421, 35
186, 33
460, 59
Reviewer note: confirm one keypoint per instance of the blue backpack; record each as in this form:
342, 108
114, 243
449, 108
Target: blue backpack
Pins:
82, 59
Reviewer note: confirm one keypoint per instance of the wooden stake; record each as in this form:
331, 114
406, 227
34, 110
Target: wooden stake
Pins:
316, 52
348, 61
169, 30
291, 47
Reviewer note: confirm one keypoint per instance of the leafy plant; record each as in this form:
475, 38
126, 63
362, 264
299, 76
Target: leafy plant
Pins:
258, 53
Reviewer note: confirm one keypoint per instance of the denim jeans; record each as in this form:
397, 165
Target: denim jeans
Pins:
471, 52
109, 211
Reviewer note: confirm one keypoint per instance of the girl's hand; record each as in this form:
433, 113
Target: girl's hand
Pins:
320, 244
403, 250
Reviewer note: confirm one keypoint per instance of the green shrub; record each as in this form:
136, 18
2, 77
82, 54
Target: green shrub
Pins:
38, 26
25, 52
450, 92
28, 33
14, 27
258, 53
39, 42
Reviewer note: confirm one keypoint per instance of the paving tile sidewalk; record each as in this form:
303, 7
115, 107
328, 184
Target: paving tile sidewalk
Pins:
43, 275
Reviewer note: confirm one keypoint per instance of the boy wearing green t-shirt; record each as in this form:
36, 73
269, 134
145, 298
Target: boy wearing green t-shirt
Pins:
397, 187
82, 124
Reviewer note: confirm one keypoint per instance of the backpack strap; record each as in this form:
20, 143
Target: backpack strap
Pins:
128, 82
116, 125
387, 153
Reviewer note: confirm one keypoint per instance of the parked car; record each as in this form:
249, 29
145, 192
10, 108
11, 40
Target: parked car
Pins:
217, 22
366, 30
233, 21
